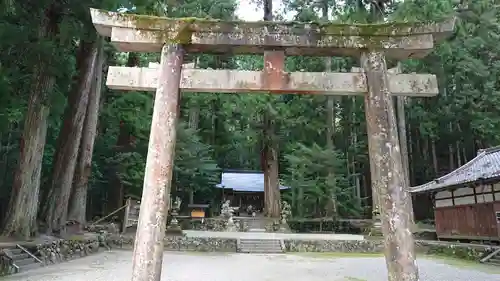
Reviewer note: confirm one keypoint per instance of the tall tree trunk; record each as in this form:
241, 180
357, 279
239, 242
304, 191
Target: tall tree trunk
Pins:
78, 201
124, 143
434, 158
451, 158
331, 206
410, 155
403, 142
23, 205
270, 150
458, 147
69, 139
194, 119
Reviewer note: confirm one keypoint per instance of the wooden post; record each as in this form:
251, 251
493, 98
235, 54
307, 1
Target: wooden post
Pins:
148, 247
388, 180
126, 215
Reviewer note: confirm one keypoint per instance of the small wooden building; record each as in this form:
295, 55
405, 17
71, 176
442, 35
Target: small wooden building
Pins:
243, 188
467, 200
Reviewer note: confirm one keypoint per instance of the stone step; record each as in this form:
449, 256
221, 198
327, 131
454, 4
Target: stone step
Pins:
16, 251
261, 243
260, 246
256, 245
30, 266
274, 251
257, 230
261, 251
20, 256
249, 245
25, 261
494, 260
253, 240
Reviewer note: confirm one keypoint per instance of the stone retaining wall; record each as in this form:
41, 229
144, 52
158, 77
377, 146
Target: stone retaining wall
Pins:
183, 243
206, 244
346, 246
212, 224
457, 250
62, 250
55, 250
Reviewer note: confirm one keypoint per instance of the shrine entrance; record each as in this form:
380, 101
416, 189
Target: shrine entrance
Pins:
372, 44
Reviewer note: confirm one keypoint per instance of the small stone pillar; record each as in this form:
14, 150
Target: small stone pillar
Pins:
286, 212
174, 228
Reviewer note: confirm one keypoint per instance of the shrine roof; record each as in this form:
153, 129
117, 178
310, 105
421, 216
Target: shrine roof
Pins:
244, 181
144, 33
485, 166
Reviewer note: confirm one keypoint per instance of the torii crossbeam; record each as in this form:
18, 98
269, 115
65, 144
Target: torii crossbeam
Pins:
371, 43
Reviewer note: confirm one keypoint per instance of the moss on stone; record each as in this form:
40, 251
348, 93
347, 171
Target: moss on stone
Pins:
379, 29
180, 30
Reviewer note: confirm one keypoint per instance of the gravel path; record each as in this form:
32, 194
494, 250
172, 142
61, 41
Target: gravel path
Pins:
116, 266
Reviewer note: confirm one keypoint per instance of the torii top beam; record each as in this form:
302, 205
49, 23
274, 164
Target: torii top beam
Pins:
139, 33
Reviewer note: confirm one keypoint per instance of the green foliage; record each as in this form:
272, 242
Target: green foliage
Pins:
224, 131
318, 181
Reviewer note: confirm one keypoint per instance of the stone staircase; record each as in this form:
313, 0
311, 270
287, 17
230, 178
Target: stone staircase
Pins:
22, 259
260, 246
493, 258
257, 224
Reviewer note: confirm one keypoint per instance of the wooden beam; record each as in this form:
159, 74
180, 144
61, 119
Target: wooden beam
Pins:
239, 81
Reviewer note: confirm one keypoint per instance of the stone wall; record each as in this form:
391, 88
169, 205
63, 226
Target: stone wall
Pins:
347, 246
456, 250
183, 243
63, 250
212, 224
54, 251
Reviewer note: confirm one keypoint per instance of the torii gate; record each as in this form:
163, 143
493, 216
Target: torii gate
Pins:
371, 43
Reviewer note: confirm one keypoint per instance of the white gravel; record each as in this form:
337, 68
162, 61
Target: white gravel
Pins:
116, 266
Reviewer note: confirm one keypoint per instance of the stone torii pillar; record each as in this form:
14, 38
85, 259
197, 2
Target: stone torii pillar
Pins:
148, 246
370, 43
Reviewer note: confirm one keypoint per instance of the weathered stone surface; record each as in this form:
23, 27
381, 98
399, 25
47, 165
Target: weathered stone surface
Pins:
184, 243
63, 250
388, 182
235, 81
148, 250
209, 244
457, 250
360, 246
213, 224
6, 263
99, 228
137, 33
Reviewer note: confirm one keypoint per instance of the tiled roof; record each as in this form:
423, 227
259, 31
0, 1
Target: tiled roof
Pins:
244, 181
485, 165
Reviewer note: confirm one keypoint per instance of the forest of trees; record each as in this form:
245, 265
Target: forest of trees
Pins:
71, 149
